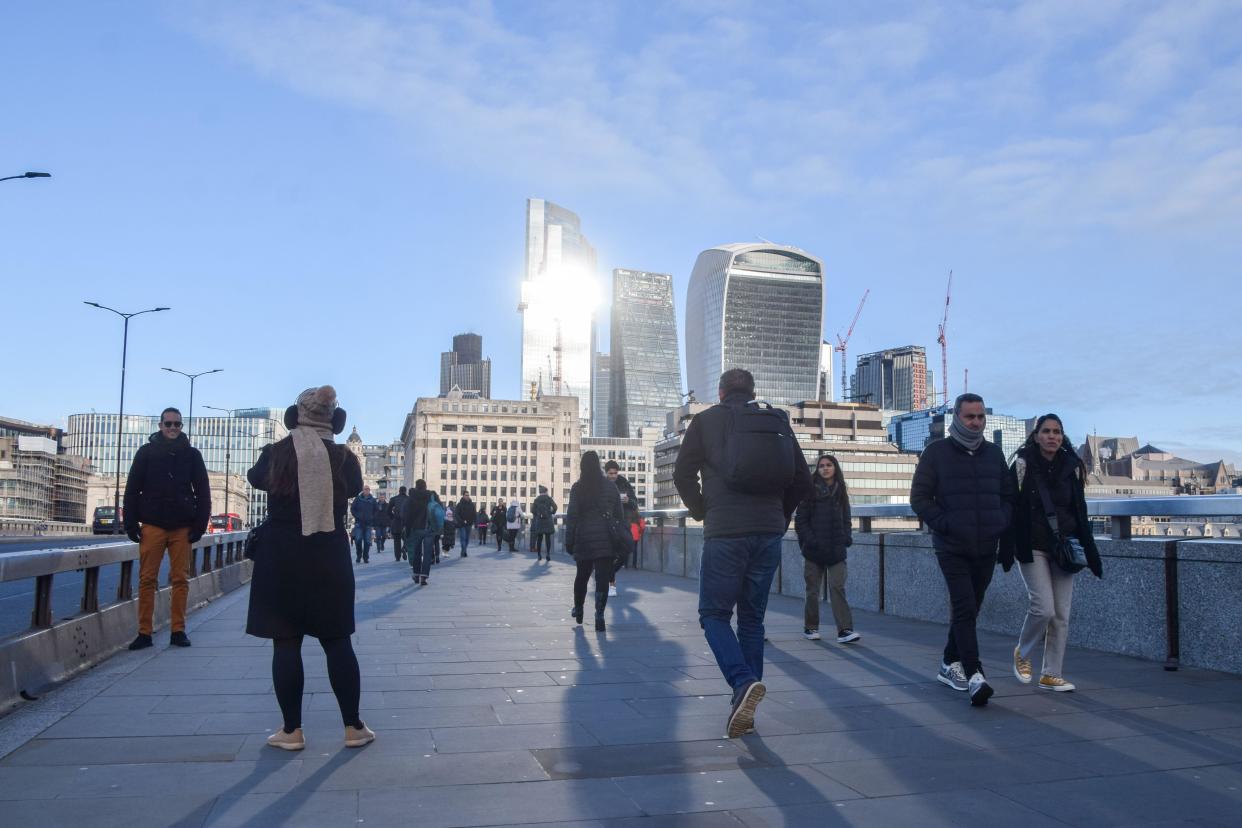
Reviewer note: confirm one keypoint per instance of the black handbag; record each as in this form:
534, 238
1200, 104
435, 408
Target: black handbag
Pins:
618, 534
1069, 553
254, 539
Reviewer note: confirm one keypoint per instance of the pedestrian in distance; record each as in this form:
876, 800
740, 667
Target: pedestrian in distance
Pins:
594, 506
303, 583
513, 523
464, 517
498, 523
381, 522
1051, 511
167, 506
483, 521
363, 510
448, 537
543, 523
740, 471
963, 490
436, 523
822, 523
629, 502
396, 522
419, 536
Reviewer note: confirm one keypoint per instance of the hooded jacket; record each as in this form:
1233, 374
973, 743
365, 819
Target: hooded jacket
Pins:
168, 487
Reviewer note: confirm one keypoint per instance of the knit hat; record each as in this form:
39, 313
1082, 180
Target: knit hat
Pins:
315, 407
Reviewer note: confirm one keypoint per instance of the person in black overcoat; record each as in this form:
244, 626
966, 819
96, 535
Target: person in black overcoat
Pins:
594, 504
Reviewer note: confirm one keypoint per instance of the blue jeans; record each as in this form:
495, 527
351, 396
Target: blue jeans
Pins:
420, 548
362, 541
463, 537
737, 572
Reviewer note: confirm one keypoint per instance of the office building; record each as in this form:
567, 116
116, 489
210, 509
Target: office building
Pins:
39, 482
635, 456
494, 449
825, 373
464, 367
560, 292
758, 307
646, 365
894, 379
601, 397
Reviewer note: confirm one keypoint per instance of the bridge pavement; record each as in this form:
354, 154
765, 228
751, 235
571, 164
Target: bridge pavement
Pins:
492, 709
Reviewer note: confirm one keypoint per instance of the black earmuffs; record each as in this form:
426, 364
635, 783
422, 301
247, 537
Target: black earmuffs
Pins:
338, 419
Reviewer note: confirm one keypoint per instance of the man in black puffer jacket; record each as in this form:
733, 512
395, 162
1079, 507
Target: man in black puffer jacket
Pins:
167, 506
963, 491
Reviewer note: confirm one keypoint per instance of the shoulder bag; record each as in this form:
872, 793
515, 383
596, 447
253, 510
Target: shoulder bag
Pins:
1069, 553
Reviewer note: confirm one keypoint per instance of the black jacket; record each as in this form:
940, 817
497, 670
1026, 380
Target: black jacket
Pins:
541, 522
168, 487
966, 498
381, 518
724, 512
286, 509
626, 488
499, 521
1030, 528
587, 536
396, 512
364, 509
416, 511
823, 527
464, 513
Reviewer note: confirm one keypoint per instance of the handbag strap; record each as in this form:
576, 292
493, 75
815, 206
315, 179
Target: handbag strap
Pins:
1049, 512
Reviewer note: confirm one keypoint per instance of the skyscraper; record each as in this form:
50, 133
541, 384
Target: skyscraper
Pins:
646, 368
825, 372
465, 367
559, 295
601, 397
894, 379
758, 307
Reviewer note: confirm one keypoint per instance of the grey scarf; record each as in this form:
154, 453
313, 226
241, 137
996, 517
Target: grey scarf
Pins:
969, 440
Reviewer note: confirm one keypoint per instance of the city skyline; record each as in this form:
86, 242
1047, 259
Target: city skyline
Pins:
195, 163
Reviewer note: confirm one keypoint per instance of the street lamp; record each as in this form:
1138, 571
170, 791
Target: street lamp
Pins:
192, 377
27, 175
120, 415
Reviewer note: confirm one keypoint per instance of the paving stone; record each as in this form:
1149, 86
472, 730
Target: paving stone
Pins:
502, 804
732, 789
188, 811
952, 809
900, 775
330, 809
633, 760
143, 749
511, 737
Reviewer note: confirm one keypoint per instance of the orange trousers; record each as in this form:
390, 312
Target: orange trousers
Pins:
150, 555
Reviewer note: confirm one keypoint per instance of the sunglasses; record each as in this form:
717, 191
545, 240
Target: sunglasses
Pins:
172, 424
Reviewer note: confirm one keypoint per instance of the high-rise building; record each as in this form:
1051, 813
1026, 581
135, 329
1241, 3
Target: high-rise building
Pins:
758, 307
601, 397
636, 457
894, 379
646, 367
464, 367
559, 294
825, 372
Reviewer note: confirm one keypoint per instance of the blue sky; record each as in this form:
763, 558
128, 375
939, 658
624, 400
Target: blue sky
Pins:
328, 191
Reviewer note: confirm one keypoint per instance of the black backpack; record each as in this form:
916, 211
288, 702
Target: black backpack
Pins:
759, 449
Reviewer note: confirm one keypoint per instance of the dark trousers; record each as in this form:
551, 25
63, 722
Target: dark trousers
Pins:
967, 578
288, 678
398, 543
543, 539
482, 532
602, 567
420, 548
510, 538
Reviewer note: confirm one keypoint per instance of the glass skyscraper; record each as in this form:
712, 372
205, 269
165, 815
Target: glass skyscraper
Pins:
758, 307
559, 294
465, 367
894, 379
646, 367
601, 397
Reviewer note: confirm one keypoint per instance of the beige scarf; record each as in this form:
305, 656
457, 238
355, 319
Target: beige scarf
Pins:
314, 478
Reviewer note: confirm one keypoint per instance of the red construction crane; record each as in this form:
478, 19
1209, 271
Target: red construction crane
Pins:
843, 342
944, 342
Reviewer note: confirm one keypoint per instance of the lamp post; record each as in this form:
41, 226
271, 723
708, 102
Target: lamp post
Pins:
27, 175
120, 415
192, 377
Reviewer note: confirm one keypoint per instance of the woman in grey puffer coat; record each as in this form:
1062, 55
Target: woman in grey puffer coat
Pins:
593, 504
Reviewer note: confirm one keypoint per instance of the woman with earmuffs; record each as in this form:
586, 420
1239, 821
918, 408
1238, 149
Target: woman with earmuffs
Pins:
303, 581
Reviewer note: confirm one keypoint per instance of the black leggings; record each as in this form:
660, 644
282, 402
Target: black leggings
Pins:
288, 678
603, 574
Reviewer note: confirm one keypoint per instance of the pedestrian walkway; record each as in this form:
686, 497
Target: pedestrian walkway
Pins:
493, 709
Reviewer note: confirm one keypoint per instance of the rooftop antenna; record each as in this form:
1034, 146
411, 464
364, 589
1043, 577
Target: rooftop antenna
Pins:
843, 342
944, 342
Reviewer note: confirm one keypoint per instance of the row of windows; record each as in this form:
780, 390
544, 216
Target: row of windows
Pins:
500, 491
474, 444
484, 460
899, 468
873, 483
490, 429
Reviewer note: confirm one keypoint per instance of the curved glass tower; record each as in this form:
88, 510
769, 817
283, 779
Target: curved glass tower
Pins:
758, 307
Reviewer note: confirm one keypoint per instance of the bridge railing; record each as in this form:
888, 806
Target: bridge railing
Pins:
51, 650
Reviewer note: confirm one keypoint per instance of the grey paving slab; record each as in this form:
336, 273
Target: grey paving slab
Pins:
732, 789
640, 759
952, 809
896, 776
511, 736
502, 804
189, 811
376, 771
329, 809
118, 751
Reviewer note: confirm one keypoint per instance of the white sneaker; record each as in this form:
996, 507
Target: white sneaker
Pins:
811, 635
980, 690
952, 675
612, 591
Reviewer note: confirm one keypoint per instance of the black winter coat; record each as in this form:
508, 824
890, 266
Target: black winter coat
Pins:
543, 510
168, 487
724, 512
823, 527
465, 513
381, 518
1030, 528
396, 512
416, 511
587, 536
363, 509
966, 498
499, 521
626, 488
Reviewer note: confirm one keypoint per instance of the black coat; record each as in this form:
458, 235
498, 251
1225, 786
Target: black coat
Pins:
168, 487
465, 513
587, 535
303, 584
364, 509
499, 521
381, 518
396, 512
823, 527
724, 512
543, 509
1030, 528
631, 503
416, 511
966, 498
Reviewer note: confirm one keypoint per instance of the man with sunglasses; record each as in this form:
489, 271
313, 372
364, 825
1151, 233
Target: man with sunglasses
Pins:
167, 506
962, 490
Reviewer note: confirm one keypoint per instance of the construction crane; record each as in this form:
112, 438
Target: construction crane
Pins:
843, 342
944, 342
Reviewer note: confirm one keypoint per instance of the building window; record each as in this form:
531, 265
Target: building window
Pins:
444, 442
508, 429
469, 428
529, 430
448, 427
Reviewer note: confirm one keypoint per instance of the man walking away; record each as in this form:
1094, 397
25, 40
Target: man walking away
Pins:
396, 522
167, 506
740, 471
419, 542
543, 522
363, 510
465, 515
962, 490
381, 522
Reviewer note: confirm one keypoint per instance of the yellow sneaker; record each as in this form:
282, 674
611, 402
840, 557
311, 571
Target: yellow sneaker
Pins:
287, 741
1021, 667
356, 737
1055, 683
